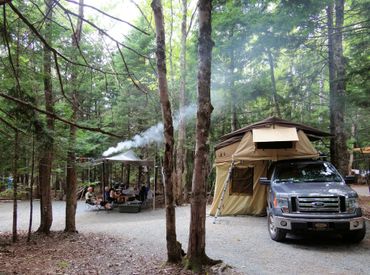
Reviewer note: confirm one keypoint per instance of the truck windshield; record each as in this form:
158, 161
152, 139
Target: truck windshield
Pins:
306, 172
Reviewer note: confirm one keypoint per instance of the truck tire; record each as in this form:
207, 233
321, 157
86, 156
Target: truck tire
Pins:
276, 233
355, 236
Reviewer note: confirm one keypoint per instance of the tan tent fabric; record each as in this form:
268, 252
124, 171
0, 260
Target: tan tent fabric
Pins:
241, 204
247, 151
275, 134
226, 153
314, 134
245, 154
364, 150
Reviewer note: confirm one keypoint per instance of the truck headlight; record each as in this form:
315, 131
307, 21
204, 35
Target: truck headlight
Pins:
282, 203
352, 204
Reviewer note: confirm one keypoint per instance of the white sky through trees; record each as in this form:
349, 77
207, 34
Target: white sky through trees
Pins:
123, 9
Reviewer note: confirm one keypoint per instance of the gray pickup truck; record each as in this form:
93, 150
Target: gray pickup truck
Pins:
310, 195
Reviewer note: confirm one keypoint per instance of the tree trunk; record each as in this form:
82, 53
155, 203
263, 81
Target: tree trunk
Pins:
46, 149
31, 189
71, 188
127, 179
233, 94
273, 82
15, 185
196, 256
170, 51
338, 146
350, 161
173, 246
139, 177
180, 155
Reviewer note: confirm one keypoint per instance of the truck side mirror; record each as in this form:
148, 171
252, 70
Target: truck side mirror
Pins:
349, 179
264, 181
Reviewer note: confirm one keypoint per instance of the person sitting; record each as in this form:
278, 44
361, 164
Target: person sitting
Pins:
93, 200
143, 193
102, 202
90, 196
107, 195
149, 195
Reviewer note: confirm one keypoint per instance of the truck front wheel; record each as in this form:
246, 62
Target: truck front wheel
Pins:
276, 233
355, 236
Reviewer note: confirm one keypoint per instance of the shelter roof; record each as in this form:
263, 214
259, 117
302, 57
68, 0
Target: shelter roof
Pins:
312, 133
129, 157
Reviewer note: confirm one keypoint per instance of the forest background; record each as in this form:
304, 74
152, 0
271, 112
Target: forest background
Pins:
269, 58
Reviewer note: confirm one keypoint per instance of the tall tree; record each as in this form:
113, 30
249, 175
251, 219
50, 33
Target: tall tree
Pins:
196, 256
338, 146
15, 185
180, 155
71, 188
273, 84
46, 136
16, 75
173, 246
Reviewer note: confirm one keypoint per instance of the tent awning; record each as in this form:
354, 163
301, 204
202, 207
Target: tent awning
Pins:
274, 134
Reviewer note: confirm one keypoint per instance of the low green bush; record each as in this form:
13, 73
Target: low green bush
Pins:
8, 194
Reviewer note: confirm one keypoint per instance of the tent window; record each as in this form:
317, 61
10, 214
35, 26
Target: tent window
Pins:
242, 181
275, 145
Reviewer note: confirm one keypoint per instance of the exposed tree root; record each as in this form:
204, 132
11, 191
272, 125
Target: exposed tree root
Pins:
197, 264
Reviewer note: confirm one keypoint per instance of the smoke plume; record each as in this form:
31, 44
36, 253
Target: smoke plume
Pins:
153, 134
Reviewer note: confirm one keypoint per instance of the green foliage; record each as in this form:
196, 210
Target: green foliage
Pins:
62, 264
8, 195
243, 31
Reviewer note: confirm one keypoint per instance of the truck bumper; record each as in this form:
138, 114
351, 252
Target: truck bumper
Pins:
298, 224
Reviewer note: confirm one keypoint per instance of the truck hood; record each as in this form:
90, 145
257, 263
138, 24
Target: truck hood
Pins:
314, 189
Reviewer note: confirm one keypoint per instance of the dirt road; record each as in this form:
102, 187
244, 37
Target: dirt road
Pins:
242, 242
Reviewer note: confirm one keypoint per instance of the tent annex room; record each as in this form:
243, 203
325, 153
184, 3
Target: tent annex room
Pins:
128, 158
243, 156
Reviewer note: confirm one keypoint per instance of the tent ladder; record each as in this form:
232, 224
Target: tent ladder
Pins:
226, 184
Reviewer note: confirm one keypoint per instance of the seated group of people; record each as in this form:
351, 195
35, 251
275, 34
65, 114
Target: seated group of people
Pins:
92, 199
117, 196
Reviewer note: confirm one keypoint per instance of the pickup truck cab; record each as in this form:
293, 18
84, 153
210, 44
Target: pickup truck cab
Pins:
310, 195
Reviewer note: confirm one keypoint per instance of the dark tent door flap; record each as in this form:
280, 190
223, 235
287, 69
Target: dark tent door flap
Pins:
242, 181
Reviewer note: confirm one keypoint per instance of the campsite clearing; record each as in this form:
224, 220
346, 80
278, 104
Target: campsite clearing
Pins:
242, 241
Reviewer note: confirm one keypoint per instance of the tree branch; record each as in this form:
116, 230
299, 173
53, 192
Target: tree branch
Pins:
11, 126
101, 30
142, 13
15, 73
129, 74
34, 30
110, 16
191, 20
29, 105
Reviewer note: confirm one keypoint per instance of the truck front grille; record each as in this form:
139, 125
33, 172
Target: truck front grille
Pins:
317, 204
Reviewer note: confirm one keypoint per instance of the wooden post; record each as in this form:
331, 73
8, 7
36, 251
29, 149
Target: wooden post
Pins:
155, 176
139, 177
122, 173
128, 175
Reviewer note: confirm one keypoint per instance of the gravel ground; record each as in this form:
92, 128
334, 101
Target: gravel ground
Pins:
242, 242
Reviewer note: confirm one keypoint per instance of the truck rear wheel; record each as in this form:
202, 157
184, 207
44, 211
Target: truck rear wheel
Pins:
276, 233
355, 236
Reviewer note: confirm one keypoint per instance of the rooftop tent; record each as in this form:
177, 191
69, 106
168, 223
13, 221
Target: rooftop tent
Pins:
364, 150
243, 156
